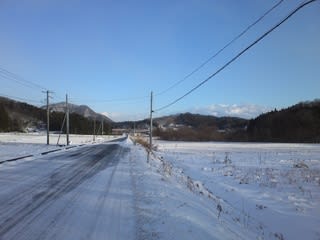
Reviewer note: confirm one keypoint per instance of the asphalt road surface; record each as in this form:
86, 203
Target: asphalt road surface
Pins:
83, 193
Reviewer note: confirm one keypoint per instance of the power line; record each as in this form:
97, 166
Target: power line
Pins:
9, 78
5, 74
57, 97
239, 54
18, 79
19, 98
111, 100
222, 49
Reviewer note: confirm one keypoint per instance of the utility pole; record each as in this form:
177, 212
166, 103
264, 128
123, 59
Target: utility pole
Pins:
101, 126
151, 111
94, 129
67, 116
134, 128
48, 116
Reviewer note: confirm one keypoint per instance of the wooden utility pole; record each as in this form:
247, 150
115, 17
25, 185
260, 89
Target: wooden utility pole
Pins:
94, 129
102, 127
67, 116
48, 118
151, 111
134, 128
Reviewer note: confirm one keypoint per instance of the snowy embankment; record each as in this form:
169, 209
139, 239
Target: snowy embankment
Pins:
260, 191
14, 145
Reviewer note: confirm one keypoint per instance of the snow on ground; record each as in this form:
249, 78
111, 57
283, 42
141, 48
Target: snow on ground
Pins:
261, 191
102, 192
14, 145
15, 150
41, 137
202, 190
167, 210
125, 195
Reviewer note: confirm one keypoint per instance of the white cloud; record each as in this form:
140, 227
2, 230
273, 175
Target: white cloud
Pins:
244, 110
247, 111
119, 117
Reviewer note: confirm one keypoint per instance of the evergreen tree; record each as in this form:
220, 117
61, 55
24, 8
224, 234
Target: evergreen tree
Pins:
4, 119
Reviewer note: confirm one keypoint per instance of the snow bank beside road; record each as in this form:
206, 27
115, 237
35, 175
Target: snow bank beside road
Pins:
167, 209
14, 150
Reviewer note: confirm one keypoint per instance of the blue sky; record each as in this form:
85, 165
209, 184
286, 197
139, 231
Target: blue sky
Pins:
111, 54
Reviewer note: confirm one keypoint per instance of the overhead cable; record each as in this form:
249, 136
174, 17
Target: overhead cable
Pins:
239, 54
18, 98
112, 100
222, 49
14, 77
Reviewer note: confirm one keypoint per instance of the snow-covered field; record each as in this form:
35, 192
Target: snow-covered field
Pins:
14, 145
261, 191
42, 138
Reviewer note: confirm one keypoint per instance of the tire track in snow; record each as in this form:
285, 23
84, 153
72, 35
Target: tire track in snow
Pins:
14, 199
68, 210
19, 217
102, 198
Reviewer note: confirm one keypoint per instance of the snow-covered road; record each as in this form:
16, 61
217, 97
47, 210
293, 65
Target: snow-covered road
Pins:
83, 193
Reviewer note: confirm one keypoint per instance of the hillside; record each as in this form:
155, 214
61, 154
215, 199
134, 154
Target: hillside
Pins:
22, 117
199, 121
18, 116
82, 110
299, 123
196, 127
174, 127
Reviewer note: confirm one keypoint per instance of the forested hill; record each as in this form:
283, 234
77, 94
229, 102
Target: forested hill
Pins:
299, 123
196, 127
19, 116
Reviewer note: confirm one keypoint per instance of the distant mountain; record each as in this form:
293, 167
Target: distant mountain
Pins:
19, 116
188, 120
197, 127
197, 121
82, 110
